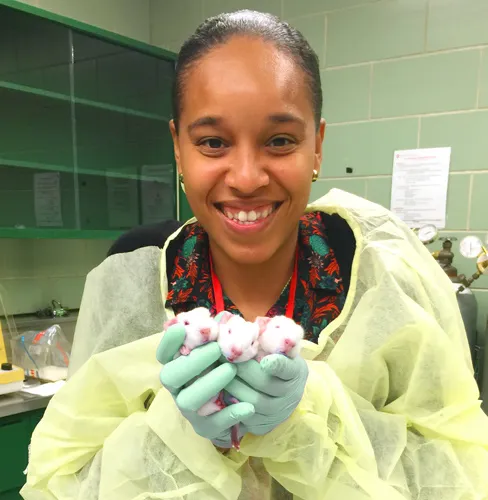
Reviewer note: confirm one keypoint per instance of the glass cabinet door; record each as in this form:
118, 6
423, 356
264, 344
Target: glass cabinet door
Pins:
85, 148
36, 147
124, 151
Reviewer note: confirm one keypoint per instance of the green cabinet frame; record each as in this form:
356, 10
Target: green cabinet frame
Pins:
87, 168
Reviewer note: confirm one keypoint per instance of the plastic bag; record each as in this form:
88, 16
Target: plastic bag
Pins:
42, 354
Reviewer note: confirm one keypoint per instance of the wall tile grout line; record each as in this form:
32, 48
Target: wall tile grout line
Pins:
356, 177
202, 10
386, 176
470, 194
330, 11
149, 22
416, 55
419, 129
324, 42
463, 231
465, 172
478, 90
371, 78
426, 25
415, 115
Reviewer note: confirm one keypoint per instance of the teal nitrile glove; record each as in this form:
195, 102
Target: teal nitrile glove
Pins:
204, 382
273, 387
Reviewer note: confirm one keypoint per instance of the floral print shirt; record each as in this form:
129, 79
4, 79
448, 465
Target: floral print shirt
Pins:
320, 292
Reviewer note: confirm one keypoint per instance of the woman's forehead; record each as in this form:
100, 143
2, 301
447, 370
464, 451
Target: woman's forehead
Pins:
245, 72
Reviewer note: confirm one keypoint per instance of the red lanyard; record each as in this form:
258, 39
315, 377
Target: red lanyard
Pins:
219, 296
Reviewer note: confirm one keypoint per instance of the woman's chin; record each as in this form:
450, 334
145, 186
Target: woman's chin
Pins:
249, 256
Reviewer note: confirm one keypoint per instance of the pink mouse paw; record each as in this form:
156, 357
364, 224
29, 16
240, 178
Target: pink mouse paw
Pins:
220, 404
184, 351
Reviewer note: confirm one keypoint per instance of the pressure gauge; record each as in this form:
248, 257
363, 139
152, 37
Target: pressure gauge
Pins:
427, 234
471, 247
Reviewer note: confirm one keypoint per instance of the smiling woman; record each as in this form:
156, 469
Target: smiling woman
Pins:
247, 168
380, 403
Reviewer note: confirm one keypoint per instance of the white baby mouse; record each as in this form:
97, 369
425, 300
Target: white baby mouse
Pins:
200, 328
238, 338
278, 335
213, 406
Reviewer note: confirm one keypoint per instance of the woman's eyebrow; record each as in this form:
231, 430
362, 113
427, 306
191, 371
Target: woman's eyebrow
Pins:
213, 121
286, 118
204, 121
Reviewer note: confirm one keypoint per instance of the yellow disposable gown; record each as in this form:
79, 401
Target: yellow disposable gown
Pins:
390, 410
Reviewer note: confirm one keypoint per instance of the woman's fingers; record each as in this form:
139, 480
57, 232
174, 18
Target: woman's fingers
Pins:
173, 339
205, 388
180, 371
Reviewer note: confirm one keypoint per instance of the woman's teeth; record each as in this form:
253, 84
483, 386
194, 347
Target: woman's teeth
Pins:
248, 217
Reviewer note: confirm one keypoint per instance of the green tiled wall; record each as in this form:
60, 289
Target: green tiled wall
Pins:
34, 272
427, 84
456, 23
125, 17
375, 31
397, 74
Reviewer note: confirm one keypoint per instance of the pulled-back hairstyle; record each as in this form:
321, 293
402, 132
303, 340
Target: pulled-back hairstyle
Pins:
219, 29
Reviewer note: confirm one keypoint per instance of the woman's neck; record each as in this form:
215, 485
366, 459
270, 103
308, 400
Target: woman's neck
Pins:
254, 288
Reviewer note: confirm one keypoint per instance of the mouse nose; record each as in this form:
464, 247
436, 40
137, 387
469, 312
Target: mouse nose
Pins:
205, 332
289, 345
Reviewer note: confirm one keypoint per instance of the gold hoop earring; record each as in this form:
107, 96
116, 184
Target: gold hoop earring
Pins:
315, 175
180, 178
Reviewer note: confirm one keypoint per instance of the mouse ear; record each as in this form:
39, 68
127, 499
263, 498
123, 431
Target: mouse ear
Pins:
223, 317
262, 323
170, 322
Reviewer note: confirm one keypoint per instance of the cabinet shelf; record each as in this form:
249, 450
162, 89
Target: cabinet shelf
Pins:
92, 109
42, 233
70, 170
81, 101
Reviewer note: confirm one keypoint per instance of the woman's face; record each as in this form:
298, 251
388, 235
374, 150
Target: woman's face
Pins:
247, 147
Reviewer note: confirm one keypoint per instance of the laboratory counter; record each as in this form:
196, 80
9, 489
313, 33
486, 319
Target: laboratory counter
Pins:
22, 402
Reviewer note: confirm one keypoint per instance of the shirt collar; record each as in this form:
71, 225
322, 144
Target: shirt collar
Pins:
190, 279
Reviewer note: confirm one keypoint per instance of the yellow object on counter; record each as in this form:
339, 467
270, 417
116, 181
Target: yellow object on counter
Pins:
390, 410
3, 352
15, 374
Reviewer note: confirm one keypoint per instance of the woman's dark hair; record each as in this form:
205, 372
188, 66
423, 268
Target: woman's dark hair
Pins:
217, 30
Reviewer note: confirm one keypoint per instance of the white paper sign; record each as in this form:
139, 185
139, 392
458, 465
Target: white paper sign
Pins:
157, 193
122, 201
47, 200
419, 186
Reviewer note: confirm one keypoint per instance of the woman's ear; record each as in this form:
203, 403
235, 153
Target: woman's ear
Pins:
176, 144
319, 139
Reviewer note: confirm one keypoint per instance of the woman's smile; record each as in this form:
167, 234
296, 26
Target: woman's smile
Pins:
245, 221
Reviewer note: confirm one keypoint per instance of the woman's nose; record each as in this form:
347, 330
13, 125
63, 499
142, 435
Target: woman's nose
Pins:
247, 171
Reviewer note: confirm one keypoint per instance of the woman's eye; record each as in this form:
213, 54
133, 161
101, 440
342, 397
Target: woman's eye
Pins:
282, 143
212, 143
